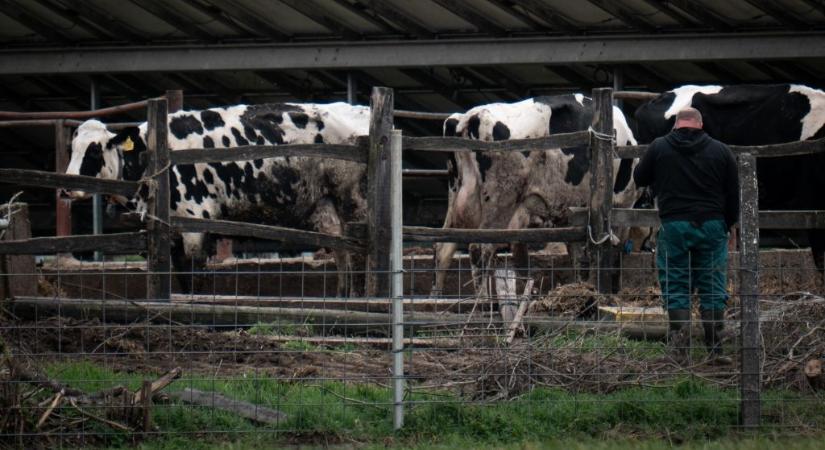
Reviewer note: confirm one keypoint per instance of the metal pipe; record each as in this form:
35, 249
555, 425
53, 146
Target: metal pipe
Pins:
97, 200
352, 89
112, 110
396, 285
618, 85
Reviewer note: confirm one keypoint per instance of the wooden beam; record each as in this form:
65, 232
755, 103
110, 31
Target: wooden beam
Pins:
18, 274
508, 7
242, 229
600, 249
702, 13
101, 18
378, 192
319, 16
573, 76
218, 15
395, 15
79, 20
779, 13
355, 153
470, 15
106, 243
164, 12
548, 14
768, 219
429, 80
248, 19
478, 236
761, 151
31, 21
92, 185
457, 144
663, 6
367, 15
630, 18
158, 262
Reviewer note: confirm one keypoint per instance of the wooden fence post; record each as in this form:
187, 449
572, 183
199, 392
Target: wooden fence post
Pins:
17, 272
601, 190
378, 192
157, 172
751, 351
63, 208
174, 100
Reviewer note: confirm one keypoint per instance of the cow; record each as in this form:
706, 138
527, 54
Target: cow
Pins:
514, 190
297, 192
757, 115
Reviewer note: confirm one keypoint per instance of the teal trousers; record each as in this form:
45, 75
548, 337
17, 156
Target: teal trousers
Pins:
692, 256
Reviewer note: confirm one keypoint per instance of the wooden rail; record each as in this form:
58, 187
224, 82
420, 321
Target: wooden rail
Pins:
107, 243
39, 178
635, 95
457, 144
768, 219
354, 153
476, 236
421, 115
242, 229
760, 151
14, 115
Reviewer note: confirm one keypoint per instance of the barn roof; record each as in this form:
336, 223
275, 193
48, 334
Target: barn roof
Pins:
438, 55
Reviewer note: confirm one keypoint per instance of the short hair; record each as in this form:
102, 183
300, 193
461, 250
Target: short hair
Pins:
689, 113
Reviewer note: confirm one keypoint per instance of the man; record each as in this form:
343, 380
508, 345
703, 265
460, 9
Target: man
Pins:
695, 180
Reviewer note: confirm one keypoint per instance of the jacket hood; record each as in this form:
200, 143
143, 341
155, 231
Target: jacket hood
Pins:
687, 140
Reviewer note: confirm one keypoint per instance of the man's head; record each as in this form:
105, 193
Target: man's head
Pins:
688, 118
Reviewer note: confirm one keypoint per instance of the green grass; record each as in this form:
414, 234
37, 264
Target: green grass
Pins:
601, 343
687, 411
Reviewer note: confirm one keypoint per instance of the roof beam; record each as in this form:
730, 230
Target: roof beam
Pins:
508, 7
548, 14
585, 84
644, 75
397, 17
218, 15
816, 5
32, 22
99, 17
317, 15
162, 11
778, 13
247, 19
701, 13
614, 49
366, 15
630, 18
445, 91
498, 76
75, 18
720, 72
469, 14
663, 6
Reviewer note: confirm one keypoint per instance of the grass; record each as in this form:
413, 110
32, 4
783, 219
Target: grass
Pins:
324, 411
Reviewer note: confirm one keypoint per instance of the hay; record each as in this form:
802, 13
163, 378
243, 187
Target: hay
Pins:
642, 296
575, 300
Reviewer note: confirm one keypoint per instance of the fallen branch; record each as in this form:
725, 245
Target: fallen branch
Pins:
158, 385
111, 423
522, 309
250, 411
57, 398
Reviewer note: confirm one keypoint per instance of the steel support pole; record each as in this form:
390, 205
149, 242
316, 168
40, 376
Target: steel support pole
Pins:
618, 85
97, 200
352, 89
396, 284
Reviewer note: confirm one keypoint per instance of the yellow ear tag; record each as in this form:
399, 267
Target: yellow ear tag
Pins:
128, 145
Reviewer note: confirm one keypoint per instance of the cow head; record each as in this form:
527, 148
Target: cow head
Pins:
97, 152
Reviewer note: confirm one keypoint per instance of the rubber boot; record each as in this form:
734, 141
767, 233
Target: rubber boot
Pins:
679, 336
713, 322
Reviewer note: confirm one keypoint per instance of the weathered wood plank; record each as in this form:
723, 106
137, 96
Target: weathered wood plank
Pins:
751, 351
378, 192
256, 413
159, 260
249, 152
761, 151
634, 95
293, 236
470, 236
63, 206
457, 144
92, 185
17, 272
768, 220
601, 190
107, 243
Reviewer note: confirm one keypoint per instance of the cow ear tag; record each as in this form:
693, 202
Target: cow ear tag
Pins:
128, 145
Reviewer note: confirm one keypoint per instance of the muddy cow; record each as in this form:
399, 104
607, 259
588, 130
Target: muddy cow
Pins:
512, 190
297, 192
757, 115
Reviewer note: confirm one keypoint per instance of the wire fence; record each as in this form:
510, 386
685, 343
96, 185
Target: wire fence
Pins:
264, 345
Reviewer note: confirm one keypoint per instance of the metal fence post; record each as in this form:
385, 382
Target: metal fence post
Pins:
378, 195
601, 189
751, 351
157, 172
397, 285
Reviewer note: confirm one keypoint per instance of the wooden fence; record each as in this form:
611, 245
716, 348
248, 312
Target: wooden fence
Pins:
371, 238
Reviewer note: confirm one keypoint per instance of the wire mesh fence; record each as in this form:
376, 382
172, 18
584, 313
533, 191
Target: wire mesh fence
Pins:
264, 347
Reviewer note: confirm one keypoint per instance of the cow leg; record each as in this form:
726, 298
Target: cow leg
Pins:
443, 257
180, 264
326, 220
188, 257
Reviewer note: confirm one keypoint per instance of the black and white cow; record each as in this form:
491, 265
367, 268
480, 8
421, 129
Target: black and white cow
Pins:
512, 190
297, 192
757, 115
